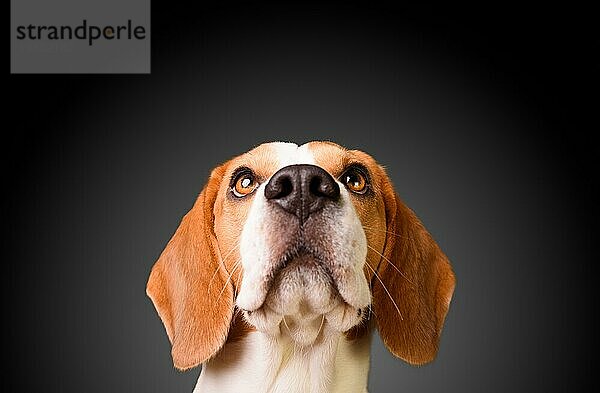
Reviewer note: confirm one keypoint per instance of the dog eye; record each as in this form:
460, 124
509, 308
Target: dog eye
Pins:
244, 184
355, 180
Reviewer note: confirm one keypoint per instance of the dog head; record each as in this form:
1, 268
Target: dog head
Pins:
302, 237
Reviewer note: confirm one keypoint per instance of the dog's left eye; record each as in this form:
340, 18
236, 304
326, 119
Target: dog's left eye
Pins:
245, 184
355, 180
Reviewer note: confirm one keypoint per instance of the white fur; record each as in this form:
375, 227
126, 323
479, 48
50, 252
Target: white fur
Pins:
292, 154
301, 349
262, 363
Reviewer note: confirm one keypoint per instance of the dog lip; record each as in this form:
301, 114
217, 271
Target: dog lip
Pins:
293, 254
296, 252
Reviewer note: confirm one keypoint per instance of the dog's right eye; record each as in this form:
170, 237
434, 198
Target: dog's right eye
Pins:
245, 183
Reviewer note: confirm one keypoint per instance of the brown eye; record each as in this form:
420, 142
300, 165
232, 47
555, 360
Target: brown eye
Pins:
244, 185
355, 180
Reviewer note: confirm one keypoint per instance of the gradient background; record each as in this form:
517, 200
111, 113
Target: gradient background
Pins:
473, 111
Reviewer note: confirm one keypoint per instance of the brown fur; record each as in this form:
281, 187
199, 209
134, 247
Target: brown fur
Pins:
195, 314
422, 292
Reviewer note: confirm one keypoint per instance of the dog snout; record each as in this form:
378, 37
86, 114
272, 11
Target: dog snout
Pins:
302, 189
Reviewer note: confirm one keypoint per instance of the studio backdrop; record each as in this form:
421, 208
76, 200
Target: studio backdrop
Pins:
469, 113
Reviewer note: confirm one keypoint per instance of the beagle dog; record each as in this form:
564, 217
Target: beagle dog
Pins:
290, 257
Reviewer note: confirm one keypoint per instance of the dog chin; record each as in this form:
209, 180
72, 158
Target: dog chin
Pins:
302, 302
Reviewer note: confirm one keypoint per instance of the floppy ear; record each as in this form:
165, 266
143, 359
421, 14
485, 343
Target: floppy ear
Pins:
188, 285
421, 292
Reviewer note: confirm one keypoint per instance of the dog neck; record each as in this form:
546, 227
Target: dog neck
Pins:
274, 363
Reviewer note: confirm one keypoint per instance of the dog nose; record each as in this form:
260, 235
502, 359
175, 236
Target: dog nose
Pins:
302, 189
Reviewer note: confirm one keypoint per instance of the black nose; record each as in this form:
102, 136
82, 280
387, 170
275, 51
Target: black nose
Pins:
302, 189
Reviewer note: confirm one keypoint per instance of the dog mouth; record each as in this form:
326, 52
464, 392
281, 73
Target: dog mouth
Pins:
300, 256
301, 281
302, 294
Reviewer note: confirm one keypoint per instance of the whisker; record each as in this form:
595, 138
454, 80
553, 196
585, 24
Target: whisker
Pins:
391, 263
286, 325
290, 332
237, 244
371, 311
214, 275
229, 253
384, 231
386, 290
235, 266
321, 326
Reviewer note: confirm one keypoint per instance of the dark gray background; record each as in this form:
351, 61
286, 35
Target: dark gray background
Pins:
473, 111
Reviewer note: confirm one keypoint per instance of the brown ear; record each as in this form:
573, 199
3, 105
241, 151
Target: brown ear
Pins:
190, 289
420, 282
